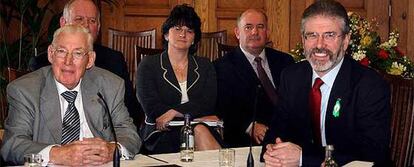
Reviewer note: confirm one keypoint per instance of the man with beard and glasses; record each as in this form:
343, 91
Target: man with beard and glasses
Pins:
330, 99
239, 74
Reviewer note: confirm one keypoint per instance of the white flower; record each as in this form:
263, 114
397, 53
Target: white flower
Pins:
359, 55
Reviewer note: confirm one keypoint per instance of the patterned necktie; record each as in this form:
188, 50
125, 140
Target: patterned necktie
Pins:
315, 97
264, 79
71, 122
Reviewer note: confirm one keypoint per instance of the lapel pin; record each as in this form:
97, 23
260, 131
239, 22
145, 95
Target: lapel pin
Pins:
337, 108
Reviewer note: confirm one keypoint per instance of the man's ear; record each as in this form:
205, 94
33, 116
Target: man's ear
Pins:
50, 54
62, 21
237, 32
91, 59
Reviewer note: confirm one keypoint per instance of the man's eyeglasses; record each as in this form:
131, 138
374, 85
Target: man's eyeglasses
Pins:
76, 54
327, 36
80, 20
250, 27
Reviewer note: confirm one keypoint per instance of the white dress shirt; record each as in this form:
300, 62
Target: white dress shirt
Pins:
265, 64
328, 81
184, 95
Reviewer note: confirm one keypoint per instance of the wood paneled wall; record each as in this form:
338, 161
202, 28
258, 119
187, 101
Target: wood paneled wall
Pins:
284, 17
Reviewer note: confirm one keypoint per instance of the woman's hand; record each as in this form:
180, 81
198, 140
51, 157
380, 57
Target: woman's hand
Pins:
161, 121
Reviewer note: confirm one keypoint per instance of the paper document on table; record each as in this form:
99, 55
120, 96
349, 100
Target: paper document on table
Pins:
359, 164
209, 123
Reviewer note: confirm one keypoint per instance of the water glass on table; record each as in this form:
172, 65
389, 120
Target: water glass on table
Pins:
227, 157
32, 160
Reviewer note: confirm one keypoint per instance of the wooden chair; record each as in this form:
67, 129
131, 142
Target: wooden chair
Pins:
10, 75
402, 123
224, 49
140, 53
208, 44
125, 42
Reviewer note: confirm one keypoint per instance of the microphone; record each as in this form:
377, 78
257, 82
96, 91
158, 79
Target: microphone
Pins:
116, 157
250, 159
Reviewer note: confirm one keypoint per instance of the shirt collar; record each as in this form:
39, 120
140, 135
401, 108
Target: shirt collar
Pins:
251, 57
61, 88
328, 78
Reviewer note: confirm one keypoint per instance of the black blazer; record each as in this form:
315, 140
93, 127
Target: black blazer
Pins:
362, 130
237, 84
114, 62
158, 89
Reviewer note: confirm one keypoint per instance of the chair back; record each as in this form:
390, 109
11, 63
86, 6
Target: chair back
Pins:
224, 49
402, 123
140, 53
208, 44
10, 75
125, 42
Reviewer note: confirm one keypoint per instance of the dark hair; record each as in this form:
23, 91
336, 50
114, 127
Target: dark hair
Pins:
183, 15
327, 8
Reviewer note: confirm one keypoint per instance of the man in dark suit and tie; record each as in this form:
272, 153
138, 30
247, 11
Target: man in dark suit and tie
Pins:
85, 13
240, 73
330, 99
56, 111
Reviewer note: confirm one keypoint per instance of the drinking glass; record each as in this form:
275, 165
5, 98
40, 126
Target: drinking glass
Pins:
32, 160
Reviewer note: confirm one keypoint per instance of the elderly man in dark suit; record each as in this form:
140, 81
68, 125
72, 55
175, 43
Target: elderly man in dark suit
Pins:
85, 13
56, 111
330, 99
239, 74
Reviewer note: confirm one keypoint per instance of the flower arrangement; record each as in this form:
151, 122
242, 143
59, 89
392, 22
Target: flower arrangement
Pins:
365, 46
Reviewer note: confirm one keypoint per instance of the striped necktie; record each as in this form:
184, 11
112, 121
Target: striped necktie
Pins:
71, 122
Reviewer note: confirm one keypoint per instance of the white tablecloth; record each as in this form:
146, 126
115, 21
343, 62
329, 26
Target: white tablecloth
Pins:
201, 159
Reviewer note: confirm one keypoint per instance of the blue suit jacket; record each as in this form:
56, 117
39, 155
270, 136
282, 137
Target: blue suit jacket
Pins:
362, 130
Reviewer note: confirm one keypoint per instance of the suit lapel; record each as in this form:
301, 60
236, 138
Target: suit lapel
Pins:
92, 108
305, 86
243, 67
193, 72
341, 90
168, 73
274, 67
50, 107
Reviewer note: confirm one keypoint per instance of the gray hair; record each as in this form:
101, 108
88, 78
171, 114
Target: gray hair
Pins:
74, 29
330, 8
66, 11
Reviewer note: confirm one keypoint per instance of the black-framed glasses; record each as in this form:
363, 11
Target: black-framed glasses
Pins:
327, 36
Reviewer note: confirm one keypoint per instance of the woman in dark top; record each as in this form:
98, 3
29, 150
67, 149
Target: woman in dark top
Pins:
175, 83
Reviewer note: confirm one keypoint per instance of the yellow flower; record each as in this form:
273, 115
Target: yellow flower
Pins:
366, 41
396, 69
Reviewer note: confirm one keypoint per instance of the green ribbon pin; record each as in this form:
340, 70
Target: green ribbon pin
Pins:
337, 108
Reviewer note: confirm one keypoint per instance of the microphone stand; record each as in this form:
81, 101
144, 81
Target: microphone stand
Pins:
250, 159
116, 157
